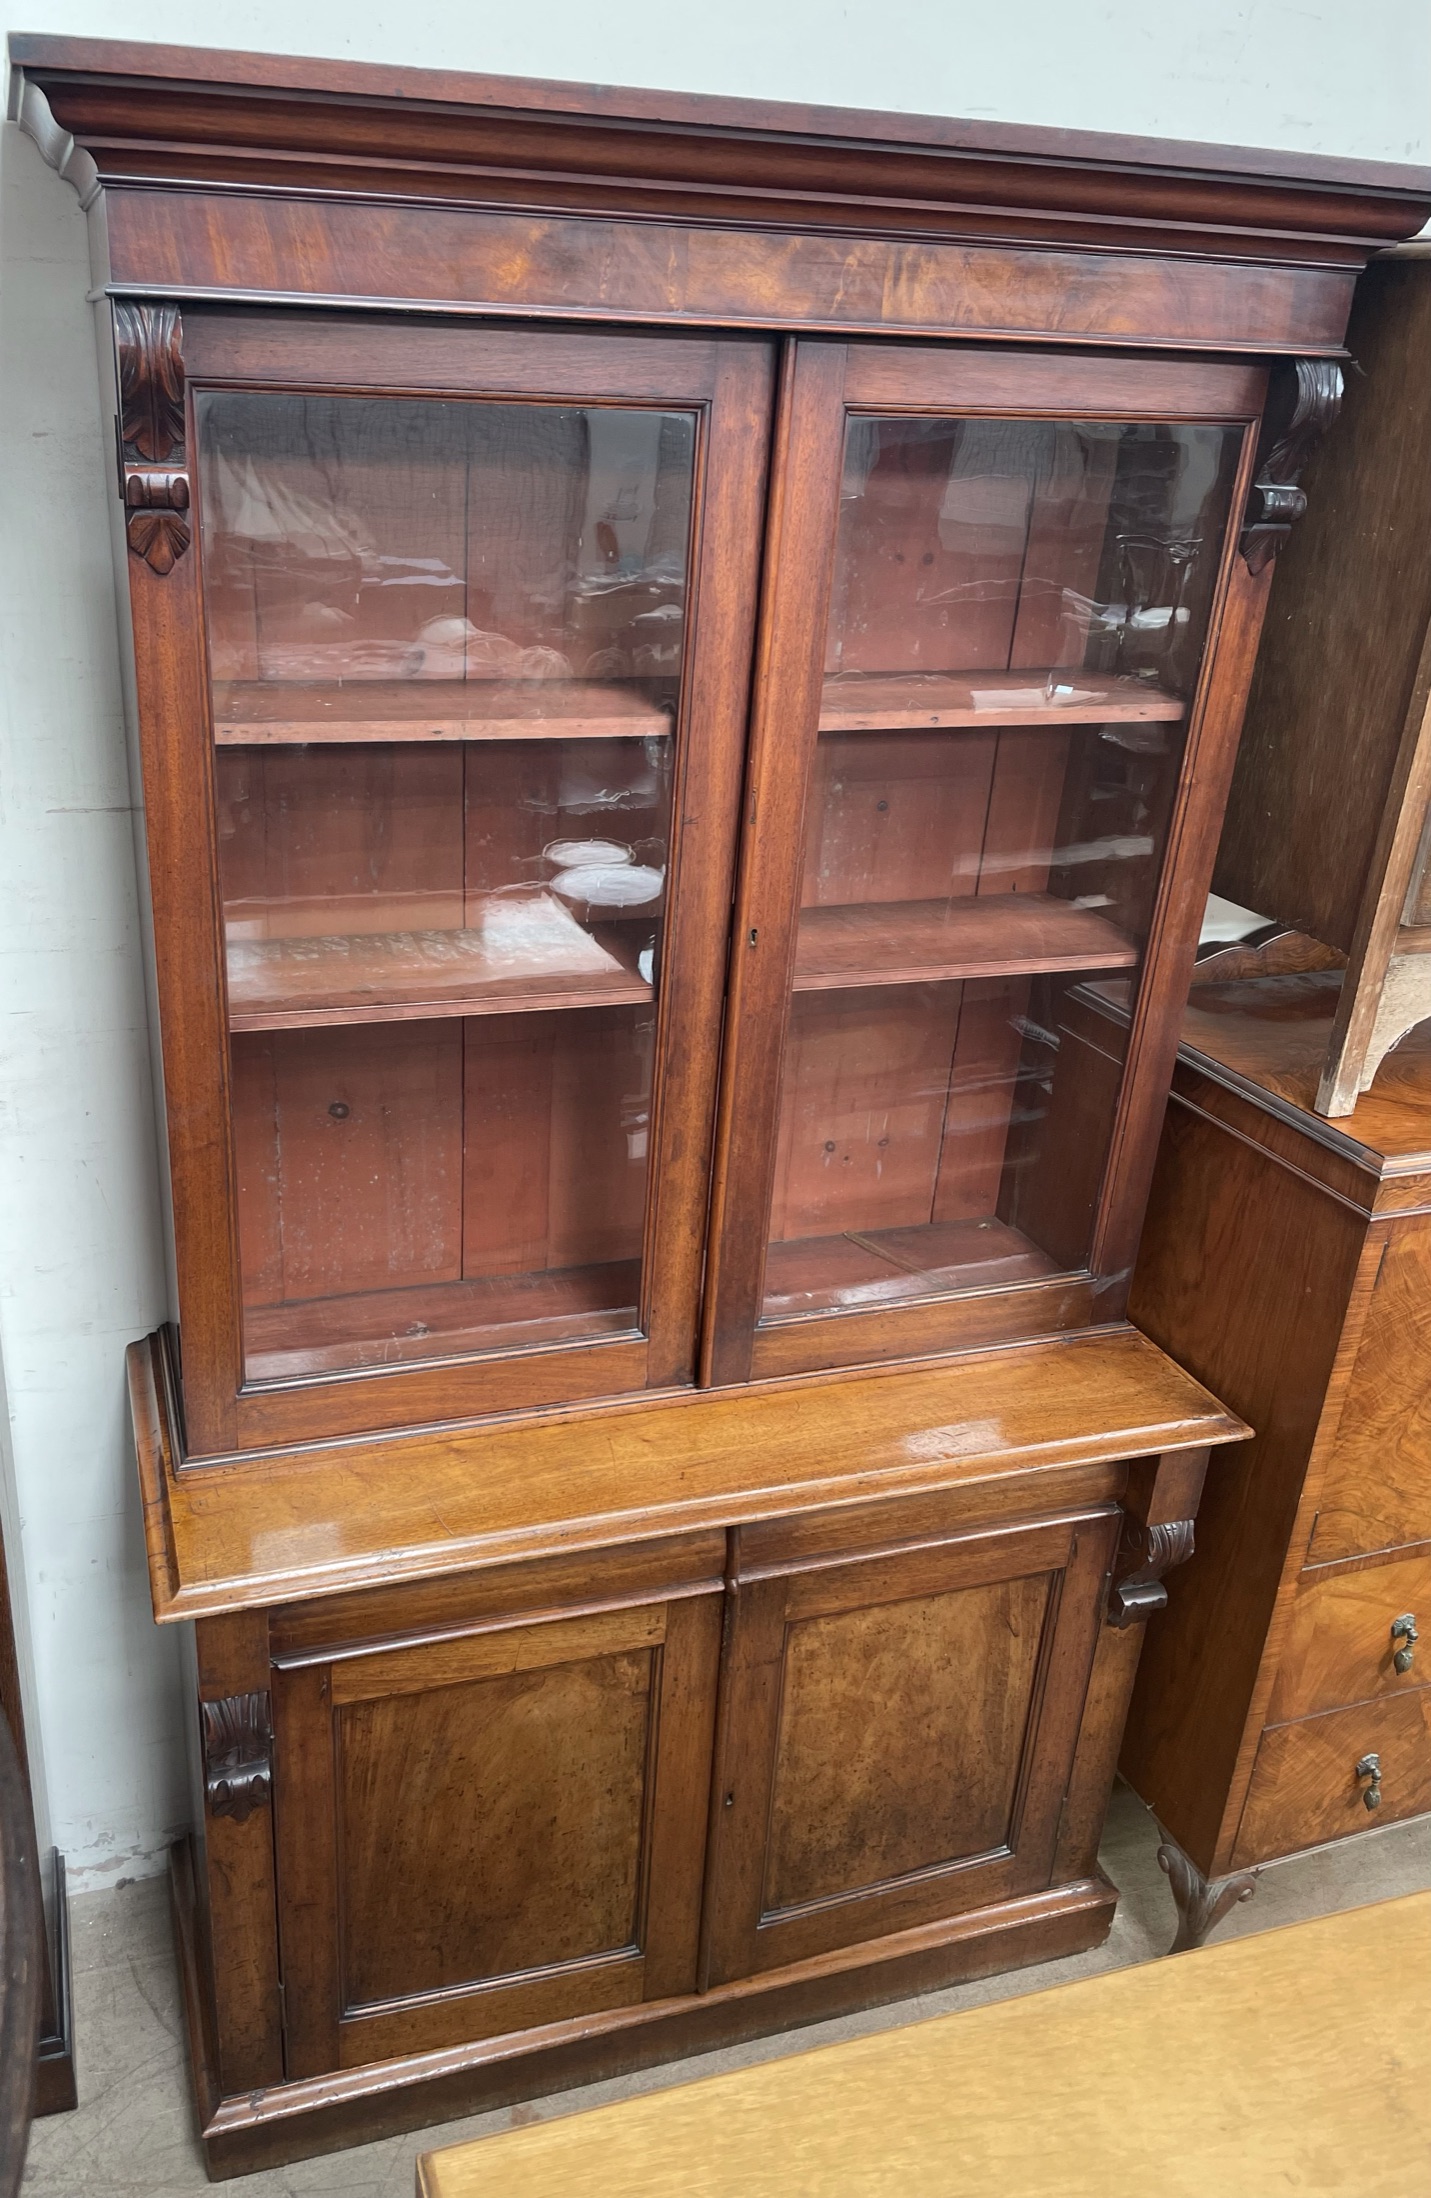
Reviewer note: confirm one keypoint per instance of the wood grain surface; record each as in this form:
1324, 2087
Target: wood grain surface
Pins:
1306, 1786
1338, 1646
1268, 1336
984, 935
260, 712
252, 1532
1285, 2061
1377, 1489
875, 702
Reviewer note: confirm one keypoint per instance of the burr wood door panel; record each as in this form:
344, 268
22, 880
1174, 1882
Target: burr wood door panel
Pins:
897, 1732
492, 1830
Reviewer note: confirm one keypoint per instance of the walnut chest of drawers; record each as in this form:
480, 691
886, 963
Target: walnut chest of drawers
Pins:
1287, 1261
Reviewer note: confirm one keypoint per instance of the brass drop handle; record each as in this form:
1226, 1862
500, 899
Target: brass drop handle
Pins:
1370, 1767
1403, 1629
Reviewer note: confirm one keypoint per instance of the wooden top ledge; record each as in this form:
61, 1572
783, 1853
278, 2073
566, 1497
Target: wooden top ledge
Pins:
282, 1525
1291, 2060
45, 54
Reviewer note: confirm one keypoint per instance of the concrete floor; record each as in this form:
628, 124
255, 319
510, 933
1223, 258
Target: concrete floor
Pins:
133, 2136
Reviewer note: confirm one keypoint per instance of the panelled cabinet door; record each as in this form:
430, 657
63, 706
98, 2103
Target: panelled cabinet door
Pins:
493, 1830
986, 712
443, 736
897, 1733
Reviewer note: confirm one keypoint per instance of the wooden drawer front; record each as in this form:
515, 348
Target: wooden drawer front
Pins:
896, 1739
1305, 1788
1377, 1489
492, 1830
1340, 1647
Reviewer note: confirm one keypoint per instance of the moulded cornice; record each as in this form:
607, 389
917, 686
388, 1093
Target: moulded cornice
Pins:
108, 113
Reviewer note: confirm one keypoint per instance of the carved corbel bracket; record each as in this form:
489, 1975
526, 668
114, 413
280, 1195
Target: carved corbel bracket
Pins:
154, 482
1303, 404
1145, 1553
238, 1754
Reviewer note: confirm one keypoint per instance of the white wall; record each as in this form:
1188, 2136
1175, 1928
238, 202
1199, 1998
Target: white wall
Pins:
80, 1254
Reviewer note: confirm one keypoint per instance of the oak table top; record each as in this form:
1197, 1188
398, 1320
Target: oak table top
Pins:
1292, 2060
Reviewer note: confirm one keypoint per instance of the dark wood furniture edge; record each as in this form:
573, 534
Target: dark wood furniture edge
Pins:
54, 2066
42, 50
55, 2087
1319, 1130
298, 2120
22, 1961
385, 1561
1238, 201
194, 1991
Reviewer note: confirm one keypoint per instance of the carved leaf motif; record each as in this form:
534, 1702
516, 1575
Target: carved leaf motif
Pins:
158, 523
148, 339
159, 537
238, 1771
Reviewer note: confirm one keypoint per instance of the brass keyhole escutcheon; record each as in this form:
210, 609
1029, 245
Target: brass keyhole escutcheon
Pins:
1370, 1767
1403, 1629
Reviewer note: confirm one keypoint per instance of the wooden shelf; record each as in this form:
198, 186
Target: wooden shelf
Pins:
516, 954
359, 1513
866, 702
275, 712
973, 935
440, 1320
888, 1266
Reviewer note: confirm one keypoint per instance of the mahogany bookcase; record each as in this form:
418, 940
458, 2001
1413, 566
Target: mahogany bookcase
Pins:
674, 640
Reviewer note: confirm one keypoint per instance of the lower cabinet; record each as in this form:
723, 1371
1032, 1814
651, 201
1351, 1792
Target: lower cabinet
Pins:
470, 1839
491, 1816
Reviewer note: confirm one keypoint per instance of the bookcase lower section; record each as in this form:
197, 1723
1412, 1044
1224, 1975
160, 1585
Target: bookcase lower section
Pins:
467, 1839
294, 2121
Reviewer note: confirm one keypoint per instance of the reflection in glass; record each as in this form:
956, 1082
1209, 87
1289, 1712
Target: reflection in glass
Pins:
1017, 623
446, 641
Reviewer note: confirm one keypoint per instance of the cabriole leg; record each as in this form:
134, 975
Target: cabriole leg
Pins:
1201, 1902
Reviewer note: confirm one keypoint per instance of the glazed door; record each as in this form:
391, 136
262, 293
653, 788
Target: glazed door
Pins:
445, 818
990, 742
492, 1830
897, 1732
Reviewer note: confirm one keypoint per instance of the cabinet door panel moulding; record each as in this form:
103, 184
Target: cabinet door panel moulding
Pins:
655, 786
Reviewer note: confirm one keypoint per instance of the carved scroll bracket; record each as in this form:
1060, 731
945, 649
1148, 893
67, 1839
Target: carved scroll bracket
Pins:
238, 1754
153, 481
1201, 1902
1303, 404
1145, 1553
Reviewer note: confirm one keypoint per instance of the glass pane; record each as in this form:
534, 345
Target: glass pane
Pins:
446, 642
1018, 618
